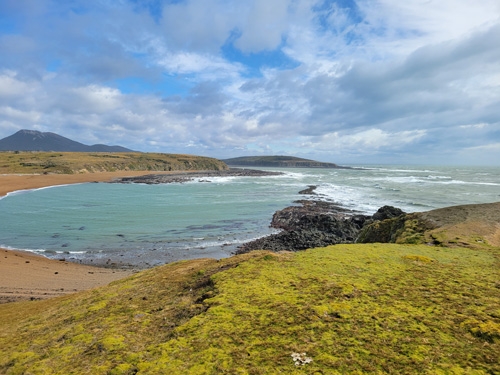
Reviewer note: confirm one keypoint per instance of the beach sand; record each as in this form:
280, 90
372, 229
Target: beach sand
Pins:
13, 182
26, 276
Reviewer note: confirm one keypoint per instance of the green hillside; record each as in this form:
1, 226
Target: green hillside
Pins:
89, 162
345, 309
278, 161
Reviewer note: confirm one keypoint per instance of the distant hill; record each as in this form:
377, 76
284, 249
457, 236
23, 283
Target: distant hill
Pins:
33, 140
90, 162
278, 161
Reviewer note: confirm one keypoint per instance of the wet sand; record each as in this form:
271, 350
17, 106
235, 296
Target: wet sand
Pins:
26, 276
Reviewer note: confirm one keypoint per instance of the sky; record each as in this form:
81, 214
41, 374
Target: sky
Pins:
347, 81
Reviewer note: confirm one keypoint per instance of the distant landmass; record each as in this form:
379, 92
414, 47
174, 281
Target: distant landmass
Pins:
33, 140
278, 161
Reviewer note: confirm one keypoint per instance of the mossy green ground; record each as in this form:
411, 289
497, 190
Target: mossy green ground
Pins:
352, 309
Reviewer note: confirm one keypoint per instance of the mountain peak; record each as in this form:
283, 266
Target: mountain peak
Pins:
34, 133
34, 140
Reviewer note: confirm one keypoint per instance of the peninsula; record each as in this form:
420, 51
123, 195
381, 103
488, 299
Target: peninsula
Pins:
279, 162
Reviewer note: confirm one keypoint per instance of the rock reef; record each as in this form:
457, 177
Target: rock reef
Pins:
180, 177
315, 223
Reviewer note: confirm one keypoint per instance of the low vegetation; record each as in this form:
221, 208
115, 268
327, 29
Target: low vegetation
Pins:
89, 162
363, 308
472, 226
279, 162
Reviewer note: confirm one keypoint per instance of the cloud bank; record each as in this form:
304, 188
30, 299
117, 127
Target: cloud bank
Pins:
379, 81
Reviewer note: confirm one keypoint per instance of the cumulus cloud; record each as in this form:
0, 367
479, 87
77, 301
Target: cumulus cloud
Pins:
340, 81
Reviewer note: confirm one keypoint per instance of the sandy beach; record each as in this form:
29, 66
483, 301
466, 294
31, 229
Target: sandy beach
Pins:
26, 276
13, 182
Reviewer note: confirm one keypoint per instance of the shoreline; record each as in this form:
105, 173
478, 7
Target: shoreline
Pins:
10, 183
118, 259
25, 275
483, 219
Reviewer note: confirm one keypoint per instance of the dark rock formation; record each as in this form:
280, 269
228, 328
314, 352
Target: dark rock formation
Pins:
180, 177
309, 191
318, 224
387, 212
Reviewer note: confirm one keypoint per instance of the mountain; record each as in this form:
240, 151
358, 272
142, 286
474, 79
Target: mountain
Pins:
278, 161
33, 140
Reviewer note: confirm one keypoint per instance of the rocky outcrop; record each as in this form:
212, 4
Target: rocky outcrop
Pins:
387, 212
473, 226
180, 177
317, 224
392, 225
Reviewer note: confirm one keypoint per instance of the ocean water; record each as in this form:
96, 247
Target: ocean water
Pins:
147, 225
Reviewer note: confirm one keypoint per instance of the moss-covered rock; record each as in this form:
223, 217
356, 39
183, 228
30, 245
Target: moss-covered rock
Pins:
404, 229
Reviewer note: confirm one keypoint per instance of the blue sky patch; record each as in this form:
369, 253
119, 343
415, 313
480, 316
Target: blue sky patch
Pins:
256, 62
168, 85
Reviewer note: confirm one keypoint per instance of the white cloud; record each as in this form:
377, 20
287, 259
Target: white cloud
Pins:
490, 147
205, 66
474, 126
11, 87
407, 25
14, 115
383, 76
96, 99
198, 25
263, 25
369, 140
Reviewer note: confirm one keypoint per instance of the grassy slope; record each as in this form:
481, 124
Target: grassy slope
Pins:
277, 161
466, 226
85, 162
370, 308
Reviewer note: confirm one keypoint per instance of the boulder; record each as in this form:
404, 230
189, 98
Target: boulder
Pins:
387, 212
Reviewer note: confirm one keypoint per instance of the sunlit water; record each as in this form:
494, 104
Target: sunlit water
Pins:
154, 224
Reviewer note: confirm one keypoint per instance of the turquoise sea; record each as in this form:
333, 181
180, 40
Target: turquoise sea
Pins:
147, 225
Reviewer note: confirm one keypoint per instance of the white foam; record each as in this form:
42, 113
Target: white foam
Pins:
399, 170
22, 249
24, 191
216, 179
228, 241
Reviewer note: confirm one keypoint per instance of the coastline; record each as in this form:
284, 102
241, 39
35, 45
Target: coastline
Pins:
483, 219
10, 183
28, 276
